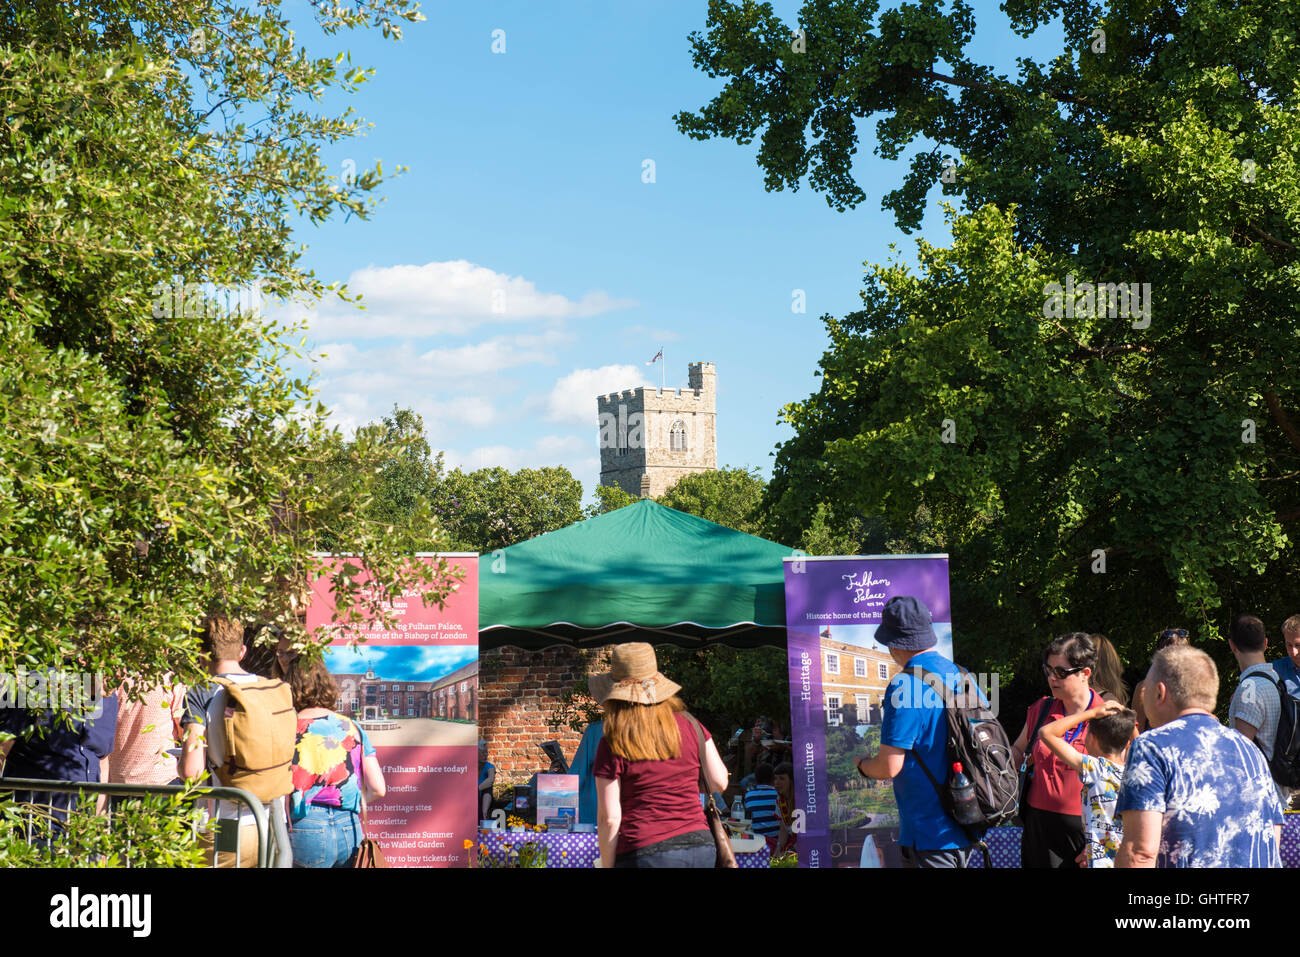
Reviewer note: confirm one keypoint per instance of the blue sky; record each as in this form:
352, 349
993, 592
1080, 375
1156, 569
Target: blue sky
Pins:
525, 182
864, 636
401, 662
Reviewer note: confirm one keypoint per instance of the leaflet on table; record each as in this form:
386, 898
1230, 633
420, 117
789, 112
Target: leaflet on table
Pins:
413, 689
557, 796
838, 677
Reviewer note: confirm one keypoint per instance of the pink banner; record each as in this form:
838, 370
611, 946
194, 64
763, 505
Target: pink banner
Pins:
413, 689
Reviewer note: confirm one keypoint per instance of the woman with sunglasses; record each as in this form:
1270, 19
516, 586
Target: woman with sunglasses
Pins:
1050, 809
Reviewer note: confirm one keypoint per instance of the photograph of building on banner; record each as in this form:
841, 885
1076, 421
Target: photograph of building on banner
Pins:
409, 694
413, 691
862, 814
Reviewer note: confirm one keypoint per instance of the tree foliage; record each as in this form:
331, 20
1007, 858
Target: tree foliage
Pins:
728, 687
492, 508
728, 496
399, 478
157, 457
609, 498
1085, 468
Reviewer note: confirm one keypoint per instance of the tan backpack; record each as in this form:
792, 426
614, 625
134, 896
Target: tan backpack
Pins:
261, 733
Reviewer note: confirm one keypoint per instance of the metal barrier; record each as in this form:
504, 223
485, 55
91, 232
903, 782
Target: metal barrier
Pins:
225, 839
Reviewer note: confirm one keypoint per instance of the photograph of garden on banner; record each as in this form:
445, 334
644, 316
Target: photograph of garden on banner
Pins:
856, 672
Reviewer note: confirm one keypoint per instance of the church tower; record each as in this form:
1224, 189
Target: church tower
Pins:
650, 438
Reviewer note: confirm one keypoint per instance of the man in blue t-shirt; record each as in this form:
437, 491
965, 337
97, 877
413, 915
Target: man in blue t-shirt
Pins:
915, 729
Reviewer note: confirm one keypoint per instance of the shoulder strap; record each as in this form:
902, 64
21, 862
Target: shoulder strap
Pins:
975, 839
921, 673
1044, 716
699, 737
361, 774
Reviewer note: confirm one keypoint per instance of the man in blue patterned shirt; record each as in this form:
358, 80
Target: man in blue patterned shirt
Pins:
1194, 793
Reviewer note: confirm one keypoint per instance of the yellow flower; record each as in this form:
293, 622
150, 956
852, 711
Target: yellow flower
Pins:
468, 844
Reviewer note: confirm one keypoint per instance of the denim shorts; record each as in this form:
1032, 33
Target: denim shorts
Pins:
695, 849
325, 837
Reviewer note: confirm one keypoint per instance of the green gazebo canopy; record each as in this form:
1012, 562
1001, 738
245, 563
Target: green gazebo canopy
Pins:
641, 573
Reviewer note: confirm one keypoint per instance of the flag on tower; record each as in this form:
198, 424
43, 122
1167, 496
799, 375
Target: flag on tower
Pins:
658, 355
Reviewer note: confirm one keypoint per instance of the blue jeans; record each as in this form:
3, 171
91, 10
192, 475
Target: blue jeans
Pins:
679, 853
325, 837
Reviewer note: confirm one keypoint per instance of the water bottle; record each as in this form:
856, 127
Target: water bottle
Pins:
737, 809
965, 808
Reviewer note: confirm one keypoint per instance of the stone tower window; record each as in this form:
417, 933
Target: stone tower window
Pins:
677, 436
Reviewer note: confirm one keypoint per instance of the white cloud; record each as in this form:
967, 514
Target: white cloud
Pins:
545, 450
495, 354
410, 302
449, 387
573, 399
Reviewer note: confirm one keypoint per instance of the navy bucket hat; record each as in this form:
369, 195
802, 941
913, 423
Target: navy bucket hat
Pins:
905, 624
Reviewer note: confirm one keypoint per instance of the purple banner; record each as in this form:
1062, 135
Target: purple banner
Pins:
838, 677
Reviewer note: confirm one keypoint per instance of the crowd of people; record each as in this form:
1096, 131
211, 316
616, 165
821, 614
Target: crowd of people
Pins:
1158, 783
1107, 782
309, 765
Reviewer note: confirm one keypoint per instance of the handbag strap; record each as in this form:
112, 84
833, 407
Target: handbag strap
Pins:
1044, 712
699, 737
361, 775
704, 785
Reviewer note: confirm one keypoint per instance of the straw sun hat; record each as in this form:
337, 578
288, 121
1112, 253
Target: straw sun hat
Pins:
633, 676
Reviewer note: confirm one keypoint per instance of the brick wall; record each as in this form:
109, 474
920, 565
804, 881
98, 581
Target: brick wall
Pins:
518, 691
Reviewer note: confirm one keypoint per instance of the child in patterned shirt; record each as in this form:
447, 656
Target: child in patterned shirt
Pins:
1110, 728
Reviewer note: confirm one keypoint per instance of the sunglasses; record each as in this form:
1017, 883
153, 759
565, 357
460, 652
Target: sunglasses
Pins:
1171, 633
1061, 673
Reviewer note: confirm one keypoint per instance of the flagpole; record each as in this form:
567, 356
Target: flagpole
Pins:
663, 364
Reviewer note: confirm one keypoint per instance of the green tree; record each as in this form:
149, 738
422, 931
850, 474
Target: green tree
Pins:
157, 457
493, 508
843, 748
728, 496
1086, 467
729, 687
403, 478
609, 498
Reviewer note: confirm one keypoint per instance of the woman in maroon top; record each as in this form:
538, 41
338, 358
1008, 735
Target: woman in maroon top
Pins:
1052, 812
648, 768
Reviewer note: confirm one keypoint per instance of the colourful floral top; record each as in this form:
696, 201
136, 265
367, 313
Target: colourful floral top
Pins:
1101, 778
326, 761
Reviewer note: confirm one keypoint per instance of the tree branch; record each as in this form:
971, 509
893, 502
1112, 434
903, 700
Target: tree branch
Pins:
1269, 237
1280, 417
988, 88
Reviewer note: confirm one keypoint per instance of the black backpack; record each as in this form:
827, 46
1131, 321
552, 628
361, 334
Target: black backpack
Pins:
1284, 762
978, 741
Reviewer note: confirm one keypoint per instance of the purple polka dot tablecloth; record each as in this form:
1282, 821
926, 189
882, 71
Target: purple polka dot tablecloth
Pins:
1004, 848
1291, 840
567, 850
1004, 845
